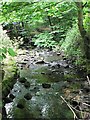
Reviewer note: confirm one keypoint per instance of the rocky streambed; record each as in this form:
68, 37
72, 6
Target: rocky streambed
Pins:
48, 87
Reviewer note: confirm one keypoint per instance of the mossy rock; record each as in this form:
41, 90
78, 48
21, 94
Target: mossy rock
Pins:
7, 83
21, 104
28, 96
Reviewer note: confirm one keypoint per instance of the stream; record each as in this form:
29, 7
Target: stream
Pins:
45, 76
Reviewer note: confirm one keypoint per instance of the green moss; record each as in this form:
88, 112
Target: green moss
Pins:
9, 77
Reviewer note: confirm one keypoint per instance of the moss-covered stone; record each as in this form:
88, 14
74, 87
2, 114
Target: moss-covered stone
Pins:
10, 77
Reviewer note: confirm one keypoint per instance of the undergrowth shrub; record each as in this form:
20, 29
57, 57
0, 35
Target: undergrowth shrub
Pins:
44, 40
5, 45
73, 46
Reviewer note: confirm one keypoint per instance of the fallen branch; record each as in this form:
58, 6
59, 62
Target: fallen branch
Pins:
75, 116
86, 104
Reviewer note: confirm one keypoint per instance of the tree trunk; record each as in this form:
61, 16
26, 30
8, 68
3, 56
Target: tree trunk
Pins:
83, 32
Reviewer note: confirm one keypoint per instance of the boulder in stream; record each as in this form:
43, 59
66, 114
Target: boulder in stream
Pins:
28, 96
58, 54
22, 80
40, 62
67, 66
46, 85
43, 73
11, 96
27, 84
21, 104
8, 100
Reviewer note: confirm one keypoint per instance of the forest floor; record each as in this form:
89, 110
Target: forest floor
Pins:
49, 87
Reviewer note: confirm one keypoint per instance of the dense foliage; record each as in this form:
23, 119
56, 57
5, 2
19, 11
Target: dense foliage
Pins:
41, 16
5, 45
47, 24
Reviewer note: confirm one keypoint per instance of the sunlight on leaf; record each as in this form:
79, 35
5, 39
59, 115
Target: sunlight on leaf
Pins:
11, 52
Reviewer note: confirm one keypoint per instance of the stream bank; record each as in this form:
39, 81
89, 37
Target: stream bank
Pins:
45, 76
9, 74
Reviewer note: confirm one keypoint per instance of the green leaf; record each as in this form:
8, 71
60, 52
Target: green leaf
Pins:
11, 52
1, 57
0, 50
4, 50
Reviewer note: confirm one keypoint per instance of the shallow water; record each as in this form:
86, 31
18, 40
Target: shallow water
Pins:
45, 102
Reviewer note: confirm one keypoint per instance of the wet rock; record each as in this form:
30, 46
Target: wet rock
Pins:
23, 63
46, 85
58, 54
43, 73
88, 75
11, 96
86, 89
40, 62
28, 96
22, 80
8, 100
21, 104
15, 90
38, 94
53, 67
35, 89
66, 66
4, 114
58, 65
53, 71
64, 58
26, 60
27, 84
49, 64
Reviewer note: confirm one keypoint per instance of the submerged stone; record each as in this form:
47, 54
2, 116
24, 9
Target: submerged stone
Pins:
28, 96
46, 85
